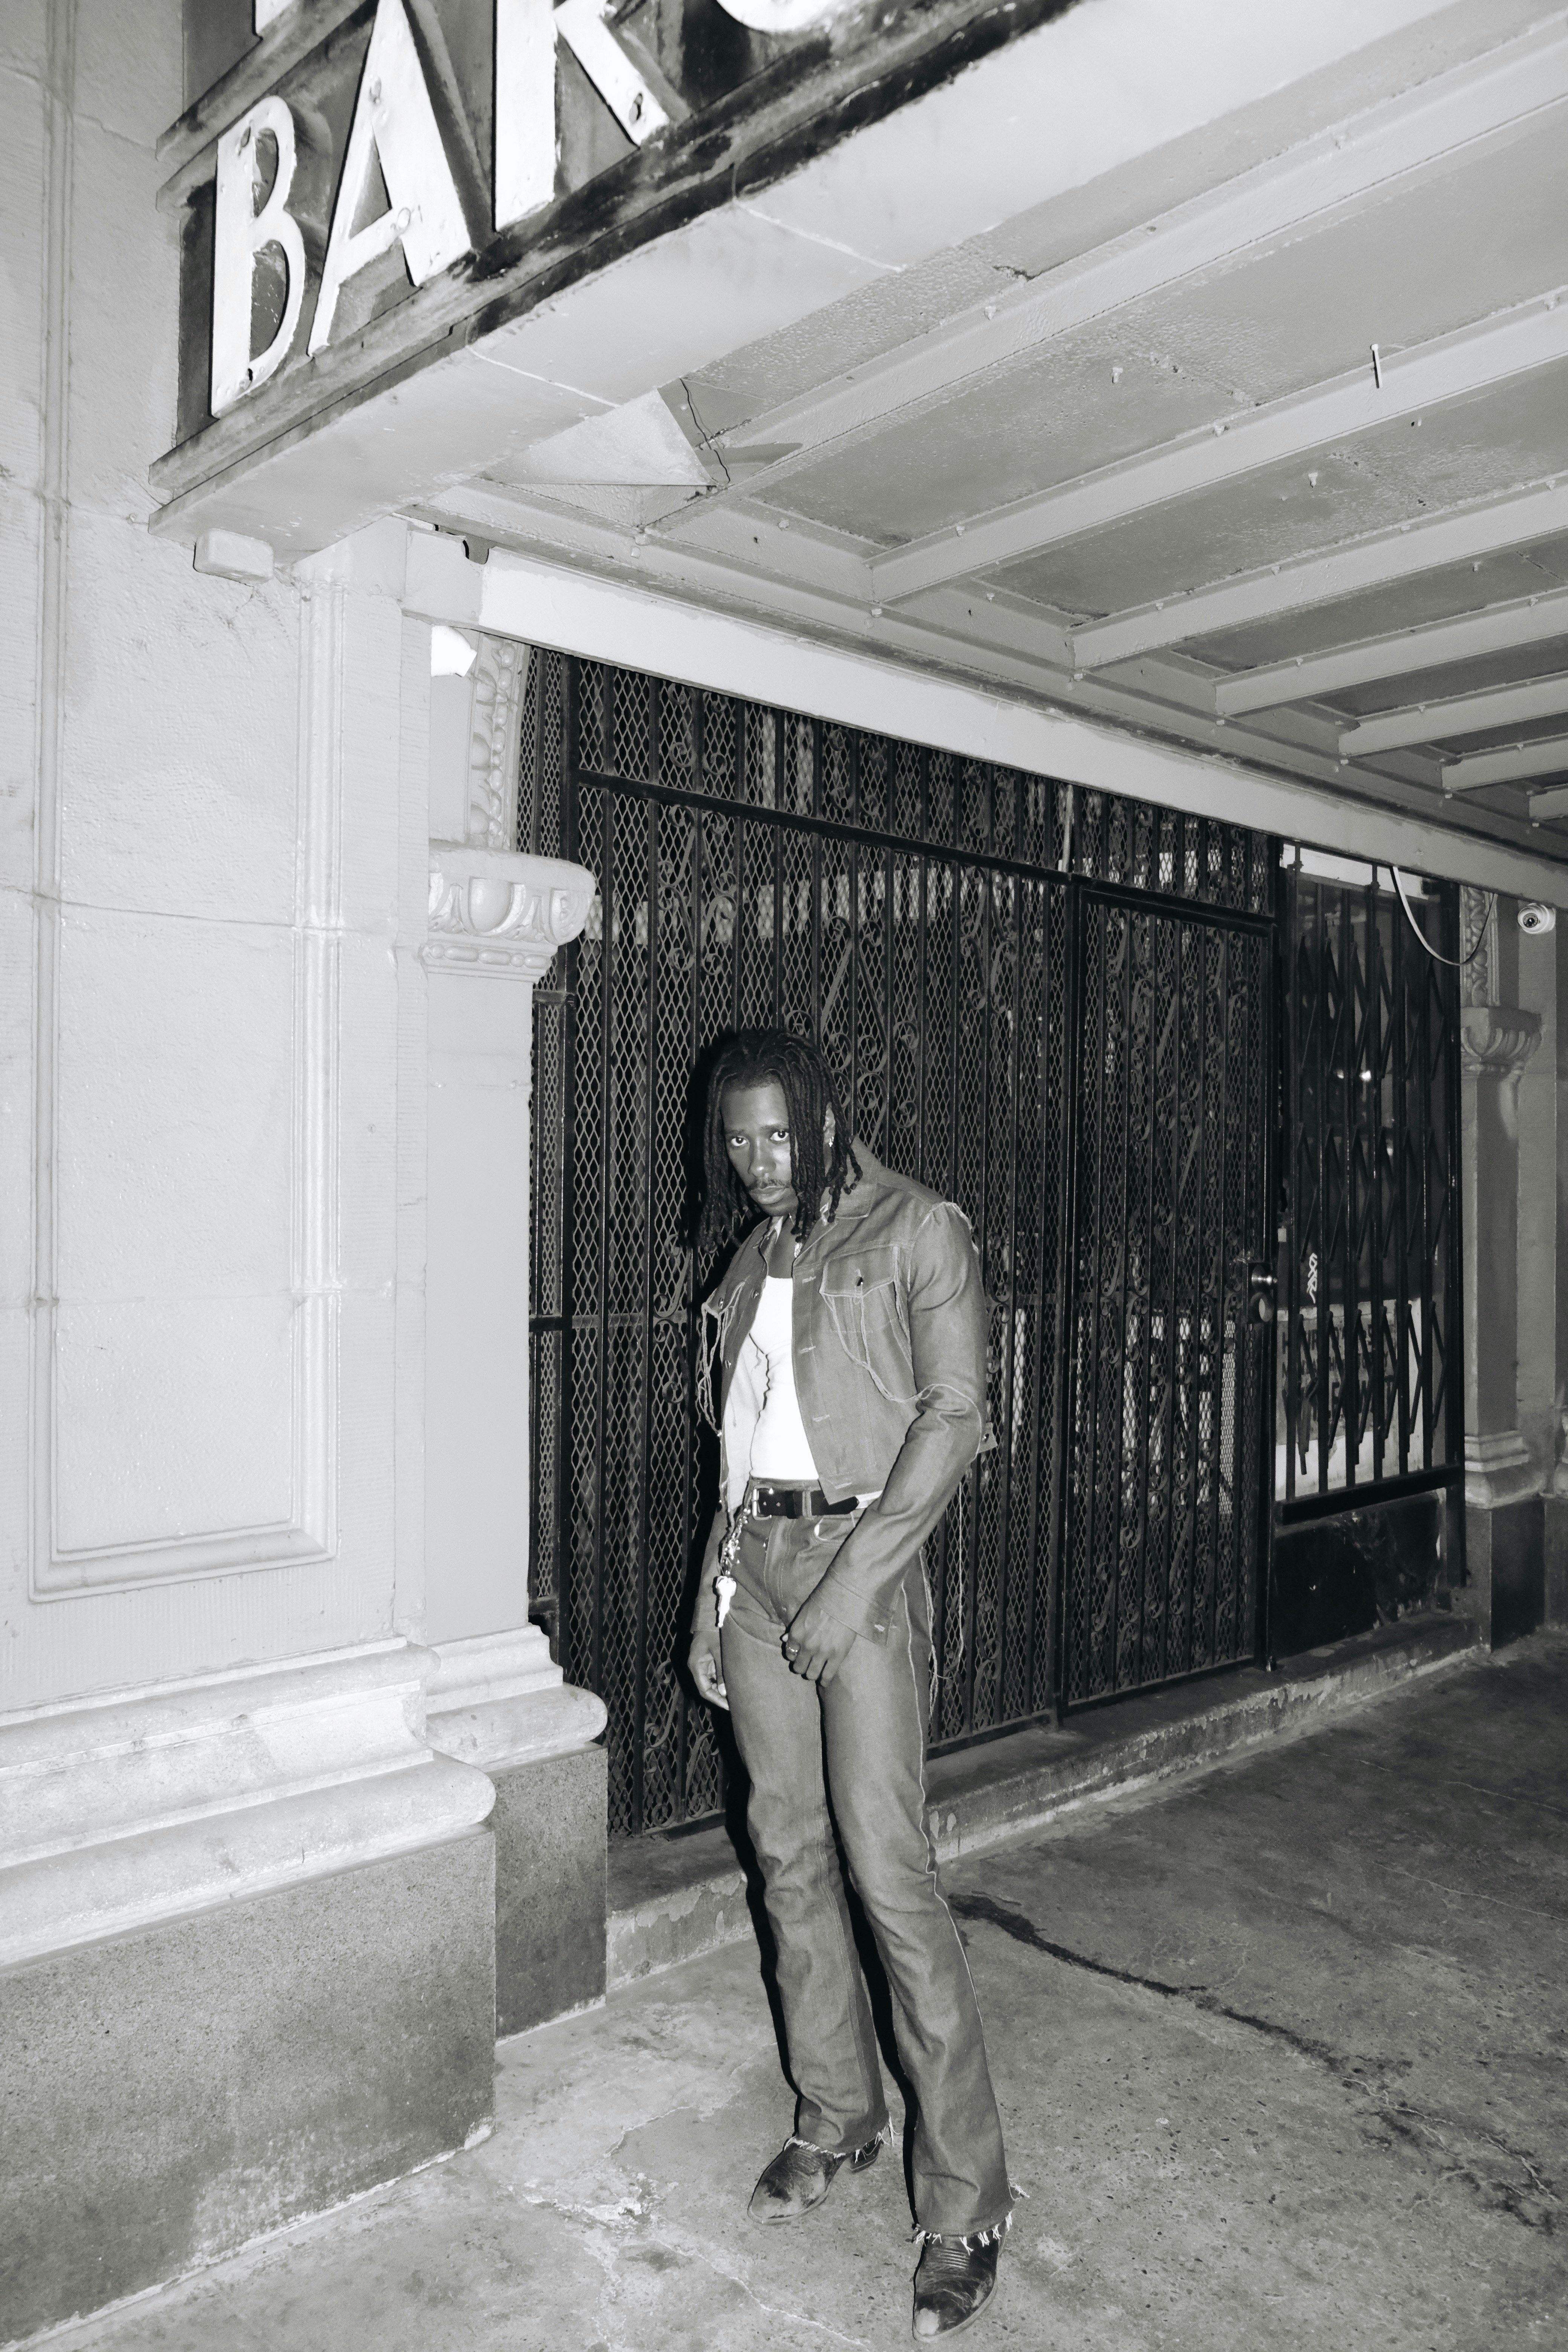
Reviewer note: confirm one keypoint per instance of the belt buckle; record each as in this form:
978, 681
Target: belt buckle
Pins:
769, 1502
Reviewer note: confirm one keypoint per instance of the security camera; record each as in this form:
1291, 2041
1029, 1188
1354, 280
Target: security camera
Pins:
1534, 917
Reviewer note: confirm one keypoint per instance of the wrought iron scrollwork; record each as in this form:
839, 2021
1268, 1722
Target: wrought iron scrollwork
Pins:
909, 907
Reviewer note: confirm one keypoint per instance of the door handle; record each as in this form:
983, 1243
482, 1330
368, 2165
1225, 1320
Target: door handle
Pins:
1262, 1294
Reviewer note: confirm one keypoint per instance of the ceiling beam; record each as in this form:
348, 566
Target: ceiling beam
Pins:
1461, 538
1481, 98
1514, 766
948, 634
647, 624
1436, 646
1464, 714
1549, 805
1453, 367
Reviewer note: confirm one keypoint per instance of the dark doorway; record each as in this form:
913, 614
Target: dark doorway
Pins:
1166, 1504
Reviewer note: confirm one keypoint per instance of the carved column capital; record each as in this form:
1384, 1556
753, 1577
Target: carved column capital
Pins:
500, 681
1478, 945
1498, 1039
500, 914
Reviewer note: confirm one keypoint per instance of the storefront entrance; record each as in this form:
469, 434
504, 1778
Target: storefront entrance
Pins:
1166, 1493
1052, 1006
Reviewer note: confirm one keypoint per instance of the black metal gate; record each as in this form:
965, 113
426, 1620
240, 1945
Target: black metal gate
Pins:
1369, 1467
913, 911
1371, 1265
1166, 1487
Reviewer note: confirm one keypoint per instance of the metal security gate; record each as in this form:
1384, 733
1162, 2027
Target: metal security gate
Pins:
1371, 1268
1368, 1439
1166, 1481
912, 911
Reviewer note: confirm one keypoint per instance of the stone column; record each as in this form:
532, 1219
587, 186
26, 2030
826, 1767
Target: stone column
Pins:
247, 1914
497, 1699
1555, 1505
1502, 1482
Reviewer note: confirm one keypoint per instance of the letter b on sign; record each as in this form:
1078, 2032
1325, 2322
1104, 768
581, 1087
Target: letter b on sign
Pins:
241, 233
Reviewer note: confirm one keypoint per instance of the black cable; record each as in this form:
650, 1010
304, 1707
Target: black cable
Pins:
1455, 964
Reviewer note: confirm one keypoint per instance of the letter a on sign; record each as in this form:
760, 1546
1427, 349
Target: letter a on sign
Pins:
394, 124
240, 232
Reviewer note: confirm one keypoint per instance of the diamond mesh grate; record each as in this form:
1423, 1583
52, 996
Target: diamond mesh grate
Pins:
909, 908
1161, 1573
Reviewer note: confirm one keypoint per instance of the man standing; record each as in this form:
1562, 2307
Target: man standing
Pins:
850, 1333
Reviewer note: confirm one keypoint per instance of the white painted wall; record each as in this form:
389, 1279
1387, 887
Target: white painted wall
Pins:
212, 893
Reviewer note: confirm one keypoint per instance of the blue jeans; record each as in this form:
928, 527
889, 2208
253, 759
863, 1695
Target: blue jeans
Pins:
858, 1746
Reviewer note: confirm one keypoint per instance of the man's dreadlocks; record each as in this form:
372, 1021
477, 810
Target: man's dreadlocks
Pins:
757, 1057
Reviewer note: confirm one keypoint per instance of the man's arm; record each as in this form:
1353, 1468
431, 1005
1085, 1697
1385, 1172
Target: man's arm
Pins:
948, 1330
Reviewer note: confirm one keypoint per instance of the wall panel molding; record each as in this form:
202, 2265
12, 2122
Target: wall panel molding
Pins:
308, 1529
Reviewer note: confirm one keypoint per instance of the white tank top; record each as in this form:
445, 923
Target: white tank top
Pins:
781, 1450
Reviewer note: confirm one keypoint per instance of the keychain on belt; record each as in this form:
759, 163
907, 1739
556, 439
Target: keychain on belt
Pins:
729, 1553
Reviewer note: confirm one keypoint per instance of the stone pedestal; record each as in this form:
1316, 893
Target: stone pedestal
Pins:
247, 1967
500, 1702
497, 1700
1554, 1533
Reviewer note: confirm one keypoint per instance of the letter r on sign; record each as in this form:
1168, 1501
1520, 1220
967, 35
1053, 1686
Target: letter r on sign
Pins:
526, 131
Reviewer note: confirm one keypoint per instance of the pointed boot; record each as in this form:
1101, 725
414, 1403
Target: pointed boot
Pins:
952, 2285
800, 2177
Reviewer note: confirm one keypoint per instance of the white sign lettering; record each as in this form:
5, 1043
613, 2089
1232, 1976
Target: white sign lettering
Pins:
394, 125
583, 26
239, 233
527, 132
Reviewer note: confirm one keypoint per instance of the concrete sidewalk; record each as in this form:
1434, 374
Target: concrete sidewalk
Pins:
1282, 2054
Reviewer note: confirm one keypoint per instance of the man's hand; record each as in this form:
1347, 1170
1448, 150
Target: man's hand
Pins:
817, 1643
707, 1667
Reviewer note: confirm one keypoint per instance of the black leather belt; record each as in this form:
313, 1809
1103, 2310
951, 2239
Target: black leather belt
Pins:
795, 1503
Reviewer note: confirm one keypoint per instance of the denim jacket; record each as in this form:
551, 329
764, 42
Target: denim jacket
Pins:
889, 1350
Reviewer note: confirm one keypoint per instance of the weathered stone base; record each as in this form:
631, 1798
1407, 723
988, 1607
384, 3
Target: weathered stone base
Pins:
1555, 1516
549, 1823
171, 2093
1506, 1569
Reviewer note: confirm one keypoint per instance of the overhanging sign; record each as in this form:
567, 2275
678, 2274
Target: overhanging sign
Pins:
378, 186
414, 135
395, 144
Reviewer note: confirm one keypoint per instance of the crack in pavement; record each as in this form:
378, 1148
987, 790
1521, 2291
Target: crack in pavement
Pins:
617, 2224
1422, 2132
774, 2310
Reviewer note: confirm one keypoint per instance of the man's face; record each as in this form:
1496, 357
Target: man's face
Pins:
756, 1136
